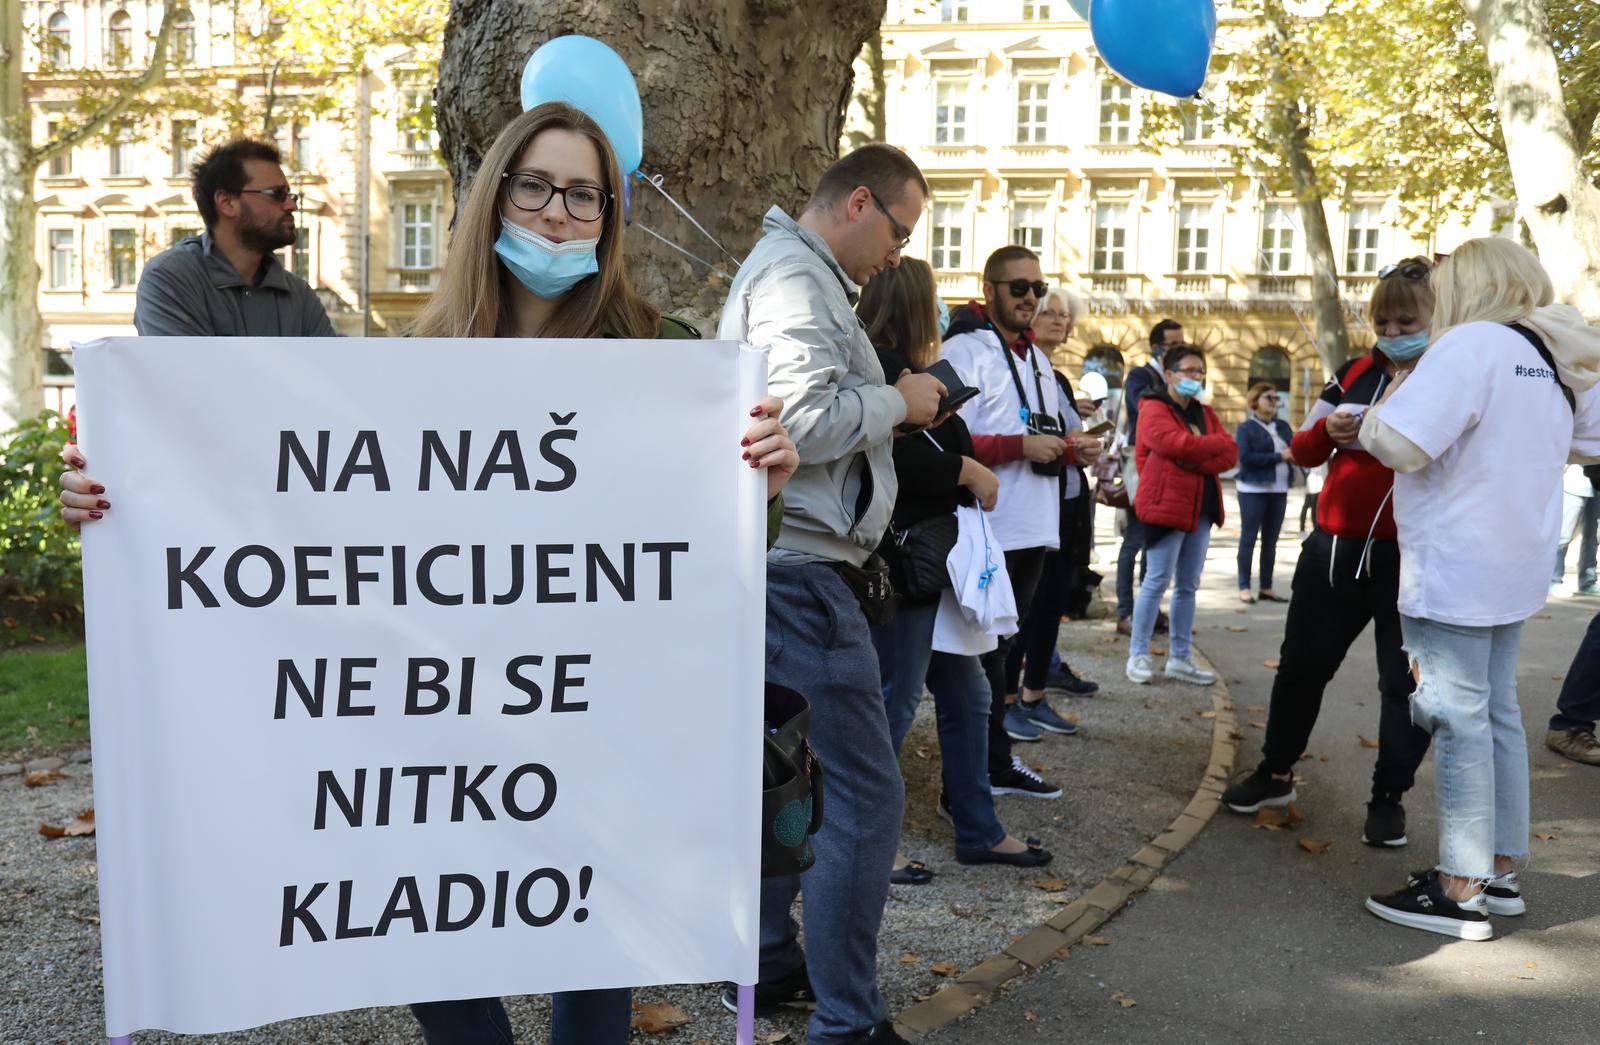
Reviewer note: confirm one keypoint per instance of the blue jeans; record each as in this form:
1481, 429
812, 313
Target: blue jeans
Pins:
576, 1018
1467, 698
1132, 545
1580, 517
819, 645
961, 704
1175, 557
1259, 513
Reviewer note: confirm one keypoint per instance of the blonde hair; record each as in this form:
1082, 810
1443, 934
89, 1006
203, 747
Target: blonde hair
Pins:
1488, 280
472, 299
899, 308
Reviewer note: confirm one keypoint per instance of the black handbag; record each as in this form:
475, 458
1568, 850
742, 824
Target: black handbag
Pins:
791, 785
871, 586
921, 551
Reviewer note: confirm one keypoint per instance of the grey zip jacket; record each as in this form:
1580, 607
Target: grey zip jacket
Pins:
792, 298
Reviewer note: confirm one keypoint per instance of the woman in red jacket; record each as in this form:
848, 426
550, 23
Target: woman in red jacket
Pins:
1182, 448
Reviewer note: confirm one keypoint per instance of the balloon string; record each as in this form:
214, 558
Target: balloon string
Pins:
1294, 221
654, 181
710, 265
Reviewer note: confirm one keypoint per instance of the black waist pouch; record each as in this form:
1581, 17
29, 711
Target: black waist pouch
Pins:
791, 785
871, 586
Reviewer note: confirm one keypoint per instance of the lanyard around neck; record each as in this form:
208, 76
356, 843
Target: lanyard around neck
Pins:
1026, 413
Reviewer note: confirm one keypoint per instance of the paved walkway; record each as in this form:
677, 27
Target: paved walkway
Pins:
1248, 938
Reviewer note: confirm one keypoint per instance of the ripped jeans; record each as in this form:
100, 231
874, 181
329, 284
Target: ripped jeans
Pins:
1467, 698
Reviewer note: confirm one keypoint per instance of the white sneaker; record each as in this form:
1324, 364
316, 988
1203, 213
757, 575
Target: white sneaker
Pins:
1187, 671
1141, 669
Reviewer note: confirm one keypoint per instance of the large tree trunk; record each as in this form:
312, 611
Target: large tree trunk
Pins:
21, 391
744, 102
1559, 204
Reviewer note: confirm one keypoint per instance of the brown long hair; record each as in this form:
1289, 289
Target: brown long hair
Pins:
472, 299
899, 308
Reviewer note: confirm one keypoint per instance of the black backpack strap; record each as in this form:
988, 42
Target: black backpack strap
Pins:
1544, 353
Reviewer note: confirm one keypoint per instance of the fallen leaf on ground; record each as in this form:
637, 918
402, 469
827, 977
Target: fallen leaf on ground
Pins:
1365, 742
658, 1017
1564, 765
1208, 714
1255, 707
1544, 836
1031, 1016
922, 752
909, 959
1109, 639
1234, 734
1097, 941
1322, 758
1530, 965
1237, 627
943, 969
1314, 847
1305, 756
1122, 999
773, 1038
1050, 885
1522, 976
1064, 952
1226, 707
1185, 718
1270, 664
1274, 819
1158, 651
1060, 898
81, 825
1253, 724
1541, 616
41, 777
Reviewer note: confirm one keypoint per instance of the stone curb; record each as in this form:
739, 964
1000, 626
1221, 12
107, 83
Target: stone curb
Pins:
1037, 948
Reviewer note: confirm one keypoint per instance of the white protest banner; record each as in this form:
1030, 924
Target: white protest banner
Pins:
420, 670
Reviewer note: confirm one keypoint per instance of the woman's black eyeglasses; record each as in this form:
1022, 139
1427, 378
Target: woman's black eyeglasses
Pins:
1020, 287
533, 193
1407, 269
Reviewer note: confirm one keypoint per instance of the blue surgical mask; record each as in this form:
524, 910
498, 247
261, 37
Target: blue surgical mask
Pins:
1405, 347
1190, 387
944, 318
547, 268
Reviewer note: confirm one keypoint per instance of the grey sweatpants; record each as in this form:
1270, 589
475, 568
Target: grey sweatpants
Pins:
818, 644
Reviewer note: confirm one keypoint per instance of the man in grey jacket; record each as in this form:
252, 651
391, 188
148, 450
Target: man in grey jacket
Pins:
794, 296
227, 283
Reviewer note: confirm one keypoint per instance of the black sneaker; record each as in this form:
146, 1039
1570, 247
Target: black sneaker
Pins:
1386, 822
1423, 905
791, 992
1068, 682
883, 1034
1255, 789
1503, 894
1020, 780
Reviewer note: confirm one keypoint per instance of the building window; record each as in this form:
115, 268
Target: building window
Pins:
300, 253
124, 258
293, 139
60, 166
63, 259
1199, 125
416, 236
1361, 242
1033, 110
185, 136
1277, 238
183, 38
953, 10
948, 219
1194, 237
950, 113
1116, 112
58, 43
1110, 237
416, 122
122, 151
1027, 226
178, 233
1035, 11
119, 40
1106, 361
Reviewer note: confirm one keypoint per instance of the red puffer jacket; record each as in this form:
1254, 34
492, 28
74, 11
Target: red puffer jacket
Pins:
1174, 463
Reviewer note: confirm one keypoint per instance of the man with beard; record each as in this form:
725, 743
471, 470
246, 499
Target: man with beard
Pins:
226, 282
1019, 433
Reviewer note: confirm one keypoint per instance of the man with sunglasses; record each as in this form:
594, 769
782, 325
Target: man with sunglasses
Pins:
227, 282
1018, 432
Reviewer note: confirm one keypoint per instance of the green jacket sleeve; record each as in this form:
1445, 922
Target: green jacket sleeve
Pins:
774, 519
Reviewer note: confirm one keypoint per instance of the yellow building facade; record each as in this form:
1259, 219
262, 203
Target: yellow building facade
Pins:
1026, 137
375, 200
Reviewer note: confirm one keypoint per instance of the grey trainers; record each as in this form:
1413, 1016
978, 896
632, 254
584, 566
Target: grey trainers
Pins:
1576, 744
1186, 670
1141, 669
1043, 716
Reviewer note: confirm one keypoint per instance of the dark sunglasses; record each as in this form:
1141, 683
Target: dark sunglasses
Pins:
1020, 287
1408, 270
279, 195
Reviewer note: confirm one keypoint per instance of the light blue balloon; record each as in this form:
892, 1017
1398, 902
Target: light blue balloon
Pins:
591, 77
1082, 7
1162, 45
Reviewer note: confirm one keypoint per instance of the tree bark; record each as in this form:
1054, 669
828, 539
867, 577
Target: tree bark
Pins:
744, 103
1560, 205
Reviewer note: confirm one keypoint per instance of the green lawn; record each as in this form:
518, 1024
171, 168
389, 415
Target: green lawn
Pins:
44, 701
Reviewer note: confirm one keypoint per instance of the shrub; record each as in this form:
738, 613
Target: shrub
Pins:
41, 579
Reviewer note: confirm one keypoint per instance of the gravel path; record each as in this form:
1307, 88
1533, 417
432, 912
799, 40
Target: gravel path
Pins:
1126, 775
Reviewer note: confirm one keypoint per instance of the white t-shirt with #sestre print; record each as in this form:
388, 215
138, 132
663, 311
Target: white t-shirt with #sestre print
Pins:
1478, 524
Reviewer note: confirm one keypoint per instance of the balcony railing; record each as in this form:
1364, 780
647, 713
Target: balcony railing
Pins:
418, 159
416, 280
1108, 284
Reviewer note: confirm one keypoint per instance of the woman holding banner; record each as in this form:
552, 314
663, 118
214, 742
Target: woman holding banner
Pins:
537, 253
